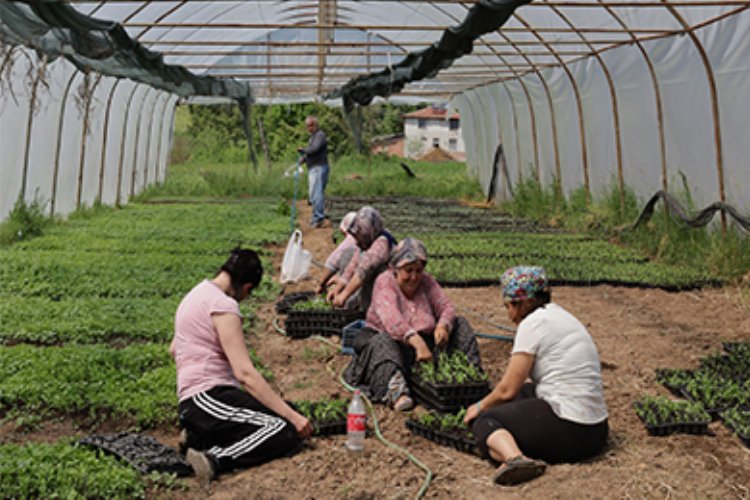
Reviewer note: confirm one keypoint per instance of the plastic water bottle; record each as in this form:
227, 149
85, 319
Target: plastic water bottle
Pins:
356, 422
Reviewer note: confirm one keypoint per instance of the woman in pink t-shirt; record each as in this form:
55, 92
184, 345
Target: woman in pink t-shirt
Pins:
231, 416
408, 318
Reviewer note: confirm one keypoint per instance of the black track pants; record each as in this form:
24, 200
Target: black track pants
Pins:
234, 429
538, 431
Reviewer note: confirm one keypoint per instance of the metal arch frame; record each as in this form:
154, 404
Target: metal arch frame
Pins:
615, 106
657, 95
105, 134
532, 114
126, 120
29, 125
550, 104
167, 98
579, 105
84, 134
137, 141
58, 145
714, 99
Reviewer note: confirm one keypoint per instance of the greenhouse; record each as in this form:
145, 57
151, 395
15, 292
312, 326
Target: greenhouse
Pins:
141, 141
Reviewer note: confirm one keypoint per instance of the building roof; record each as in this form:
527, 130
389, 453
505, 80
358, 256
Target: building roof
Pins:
431, 112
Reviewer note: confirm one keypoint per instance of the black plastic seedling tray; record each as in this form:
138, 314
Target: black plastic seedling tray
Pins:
448, 397
460, 441
301, 324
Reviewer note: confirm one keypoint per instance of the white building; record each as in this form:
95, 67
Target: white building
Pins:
431, 127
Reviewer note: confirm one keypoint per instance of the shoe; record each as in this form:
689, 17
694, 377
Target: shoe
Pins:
519, 470
182, 444
204, 468
320, 223
404, 403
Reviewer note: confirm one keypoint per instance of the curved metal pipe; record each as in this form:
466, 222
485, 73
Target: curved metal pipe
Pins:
122, 143
713, 91
59, 140
105, 133
84, 133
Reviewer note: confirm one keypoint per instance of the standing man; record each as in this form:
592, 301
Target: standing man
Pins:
315, 156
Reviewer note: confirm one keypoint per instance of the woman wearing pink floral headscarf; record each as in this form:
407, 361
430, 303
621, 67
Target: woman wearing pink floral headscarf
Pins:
561, 416
374, 243
408, 318
337, 261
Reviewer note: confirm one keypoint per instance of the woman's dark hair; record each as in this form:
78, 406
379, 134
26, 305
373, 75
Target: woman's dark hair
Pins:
543, 298
244, 267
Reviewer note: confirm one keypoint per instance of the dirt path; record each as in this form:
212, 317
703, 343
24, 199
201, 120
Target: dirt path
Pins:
636, 332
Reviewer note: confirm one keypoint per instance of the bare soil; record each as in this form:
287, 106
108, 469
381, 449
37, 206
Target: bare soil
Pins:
636, 331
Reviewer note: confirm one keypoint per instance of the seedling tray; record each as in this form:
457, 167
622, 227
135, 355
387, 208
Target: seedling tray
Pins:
666, 427
686, 428
457, 440
329, 428
448, 397
142, 452
733, 347
285, 303
301, 324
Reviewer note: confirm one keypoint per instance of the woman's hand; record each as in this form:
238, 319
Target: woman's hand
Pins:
419, 345
472, 412
335, 290
442, 334
339, 300
303, 425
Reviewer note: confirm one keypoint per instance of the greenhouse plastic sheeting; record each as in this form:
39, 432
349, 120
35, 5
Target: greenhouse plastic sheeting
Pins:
690, 146
125, 147
596, 94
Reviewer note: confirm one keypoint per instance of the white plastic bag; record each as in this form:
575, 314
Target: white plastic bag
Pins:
296, 263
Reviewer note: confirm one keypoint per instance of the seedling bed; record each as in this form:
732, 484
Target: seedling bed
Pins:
458, 439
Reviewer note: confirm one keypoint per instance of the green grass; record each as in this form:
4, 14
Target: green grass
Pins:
350, 175
26, 220
706, 250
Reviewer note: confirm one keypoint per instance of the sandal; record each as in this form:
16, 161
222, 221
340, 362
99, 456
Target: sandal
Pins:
519, 470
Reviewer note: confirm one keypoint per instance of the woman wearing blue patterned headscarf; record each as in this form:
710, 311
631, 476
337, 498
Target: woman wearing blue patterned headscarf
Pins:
561, 416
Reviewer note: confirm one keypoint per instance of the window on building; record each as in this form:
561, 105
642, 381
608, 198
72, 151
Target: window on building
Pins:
453, 123
422, 123
435, 142
423, 138
452, 144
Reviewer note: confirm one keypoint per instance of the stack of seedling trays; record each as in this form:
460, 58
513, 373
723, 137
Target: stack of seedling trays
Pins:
445, 429
328, 417
317, 317
720, 386
449, 384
